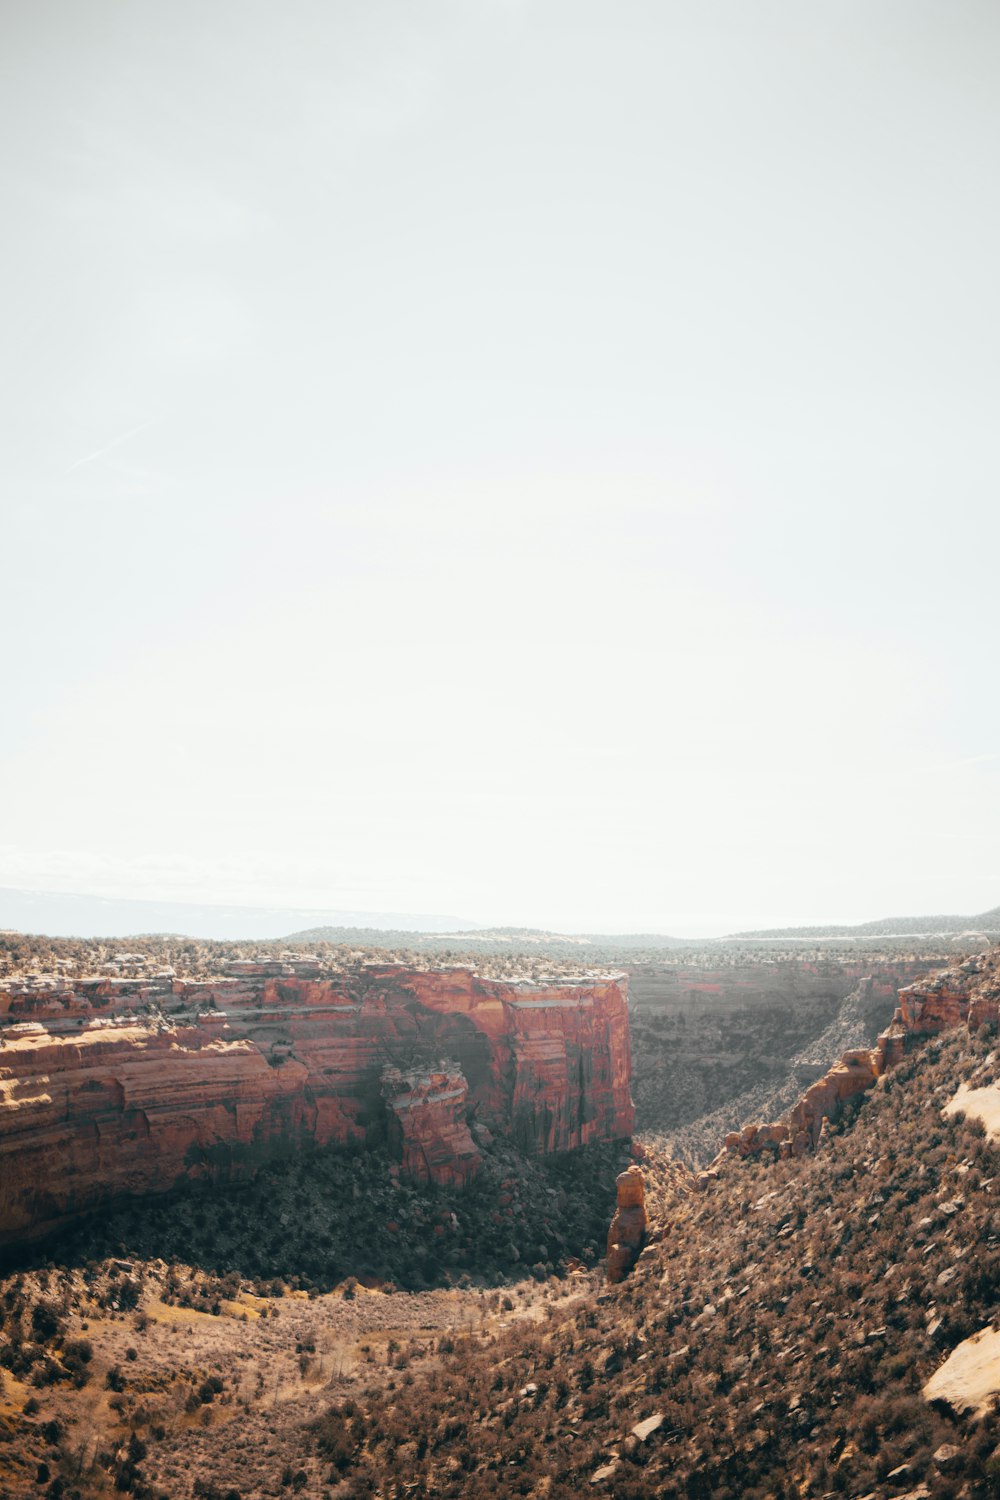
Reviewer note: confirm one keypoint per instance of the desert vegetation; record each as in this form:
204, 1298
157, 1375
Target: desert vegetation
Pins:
774, 1343
324, 1215
37, 956
332, 1330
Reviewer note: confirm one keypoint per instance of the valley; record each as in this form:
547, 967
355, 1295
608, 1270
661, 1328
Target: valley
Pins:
361, 1315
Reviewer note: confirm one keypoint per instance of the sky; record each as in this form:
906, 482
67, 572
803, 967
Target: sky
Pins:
529, 459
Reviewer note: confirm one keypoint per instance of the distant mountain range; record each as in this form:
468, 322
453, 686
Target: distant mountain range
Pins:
65, 914
497, 940
62, 914
987, 922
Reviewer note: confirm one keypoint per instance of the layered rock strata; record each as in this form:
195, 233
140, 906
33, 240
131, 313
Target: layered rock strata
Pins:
429, 1124
968, 994
111, 1087
627, 1234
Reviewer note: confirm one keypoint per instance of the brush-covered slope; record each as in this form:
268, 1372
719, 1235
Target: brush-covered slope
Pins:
775, 1343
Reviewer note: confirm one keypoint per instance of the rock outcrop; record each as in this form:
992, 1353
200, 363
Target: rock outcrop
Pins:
856, 1071
968, 994
969, 1380
627, 1234
429, 1125
111, 1087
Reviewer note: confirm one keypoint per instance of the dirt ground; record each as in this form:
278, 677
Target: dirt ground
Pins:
221, 1399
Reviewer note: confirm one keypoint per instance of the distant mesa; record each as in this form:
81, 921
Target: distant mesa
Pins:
76, 915
495, 939
71, 914
977, 930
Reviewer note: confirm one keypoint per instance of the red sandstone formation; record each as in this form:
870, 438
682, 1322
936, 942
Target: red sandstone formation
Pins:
856, 1071
126, 1086
429, 1124
968, 994
627, 1234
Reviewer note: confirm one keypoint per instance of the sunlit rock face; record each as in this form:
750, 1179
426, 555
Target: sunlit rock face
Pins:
627, 1234
969, 993
111, 1087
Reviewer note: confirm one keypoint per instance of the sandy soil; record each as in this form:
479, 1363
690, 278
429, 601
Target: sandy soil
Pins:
979, 1104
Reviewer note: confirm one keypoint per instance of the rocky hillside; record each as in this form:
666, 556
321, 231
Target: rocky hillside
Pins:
781, 1338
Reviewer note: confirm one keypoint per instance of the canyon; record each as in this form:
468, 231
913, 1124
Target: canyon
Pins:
439, 1304
716, 1044
125, 1086
122, 1085
966, 994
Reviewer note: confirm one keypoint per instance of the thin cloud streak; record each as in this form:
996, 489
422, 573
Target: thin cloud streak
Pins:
117, 442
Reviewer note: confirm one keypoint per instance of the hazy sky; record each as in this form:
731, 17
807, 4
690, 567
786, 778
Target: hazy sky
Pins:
533, 459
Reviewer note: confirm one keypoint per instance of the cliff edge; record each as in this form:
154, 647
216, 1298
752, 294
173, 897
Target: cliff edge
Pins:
114, 1087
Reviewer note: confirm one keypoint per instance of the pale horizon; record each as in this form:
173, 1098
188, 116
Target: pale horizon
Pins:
688, 927
530, 462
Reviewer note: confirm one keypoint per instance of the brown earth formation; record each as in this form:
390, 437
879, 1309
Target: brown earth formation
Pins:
429, 1125
114, 1087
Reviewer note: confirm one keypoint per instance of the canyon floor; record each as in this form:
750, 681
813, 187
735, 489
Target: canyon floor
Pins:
773, 1341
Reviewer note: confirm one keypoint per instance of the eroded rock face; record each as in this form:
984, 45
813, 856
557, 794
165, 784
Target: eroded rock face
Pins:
627, 1234
856, 1072
429, 1125
936, 1003
112, 1087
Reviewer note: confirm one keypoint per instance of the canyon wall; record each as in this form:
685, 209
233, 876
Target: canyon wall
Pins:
119, 1086
713, 1047
809, 987
966, 994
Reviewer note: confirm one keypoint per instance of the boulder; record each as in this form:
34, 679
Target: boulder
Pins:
969, 1379
645, 1429
947, 1458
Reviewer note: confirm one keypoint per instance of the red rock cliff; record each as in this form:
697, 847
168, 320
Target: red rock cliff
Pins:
429, 1124
120, 1086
